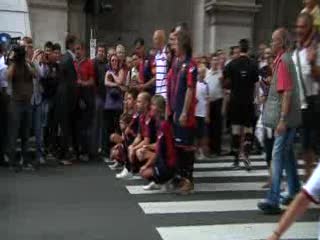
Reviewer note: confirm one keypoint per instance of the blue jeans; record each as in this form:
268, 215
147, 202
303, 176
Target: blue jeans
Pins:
283, 159
20, 114
37, 116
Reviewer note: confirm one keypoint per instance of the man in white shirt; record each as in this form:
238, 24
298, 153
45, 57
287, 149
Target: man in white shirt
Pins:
309, 88
216, 100
159, 40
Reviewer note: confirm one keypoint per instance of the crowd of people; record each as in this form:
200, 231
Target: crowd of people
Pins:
153, 113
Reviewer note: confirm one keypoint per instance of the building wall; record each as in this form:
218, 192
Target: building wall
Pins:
48, 21
275, 13
52, 19
139, 18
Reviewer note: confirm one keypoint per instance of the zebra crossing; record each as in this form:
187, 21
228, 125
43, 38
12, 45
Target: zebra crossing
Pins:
222, 207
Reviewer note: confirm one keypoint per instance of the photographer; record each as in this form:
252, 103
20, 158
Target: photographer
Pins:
20, 78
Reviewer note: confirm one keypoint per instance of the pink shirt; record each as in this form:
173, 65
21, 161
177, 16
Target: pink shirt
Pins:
284, 76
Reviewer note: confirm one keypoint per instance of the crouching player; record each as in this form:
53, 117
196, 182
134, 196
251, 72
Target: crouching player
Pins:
118, 152
160, 165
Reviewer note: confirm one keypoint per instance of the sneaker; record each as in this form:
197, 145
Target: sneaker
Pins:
201, 156
42, 161
66, 163
235, 166
286, 201
247, 163
125, 174
115, 166
266, 185
28, 167
84, 158
269, 208
152, 186
186, 187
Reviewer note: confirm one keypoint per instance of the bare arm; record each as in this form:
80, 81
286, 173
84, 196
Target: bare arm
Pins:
144, 142
136, 141
10, 72
108, 82
120, 79
296, 209
286, 103
187, 101
149, 84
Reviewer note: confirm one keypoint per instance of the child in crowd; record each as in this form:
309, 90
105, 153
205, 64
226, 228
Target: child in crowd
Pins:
202, 111
133, 78
118, 153
160, 164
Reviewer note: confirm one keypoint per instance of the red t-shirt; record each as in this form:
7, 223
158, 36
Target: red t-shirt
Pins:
84, 69
148, 128
284, 77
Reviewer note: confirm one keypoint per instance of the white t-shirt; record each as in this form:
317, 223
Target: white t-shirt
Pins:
311, 86
312, 187
215, 88
202, 96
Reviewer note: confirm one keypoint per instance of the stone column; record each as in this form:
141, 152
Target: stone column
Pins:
198, 27
229, 21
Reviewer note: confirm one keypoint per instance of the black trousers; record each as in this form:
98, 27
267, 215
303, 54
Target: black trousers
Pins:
110, 125
215, 126
4, 121
185, 163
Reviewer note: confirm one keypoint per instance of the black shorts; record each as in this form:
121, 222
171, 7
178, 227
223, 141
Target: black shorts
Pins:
242, 114
183, 136
162, 173
310, 129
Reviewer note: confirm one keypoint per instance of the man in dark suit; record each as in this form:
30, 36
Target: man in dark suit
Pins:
66, 100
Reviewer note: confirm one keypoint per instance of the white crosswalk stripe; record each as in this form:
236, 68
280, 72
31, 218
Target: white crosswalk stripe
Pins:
302, 230
220, 207
223, 174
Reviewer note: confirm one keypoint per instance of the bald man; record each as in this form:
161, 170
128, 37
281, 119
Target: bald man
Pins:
159, 42
282, 114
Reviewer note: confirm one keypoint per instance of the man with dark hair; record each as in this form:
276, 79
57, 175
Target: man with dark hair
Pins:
85, 103
56, 48
66, 99
146, 76
240, 77
100, 68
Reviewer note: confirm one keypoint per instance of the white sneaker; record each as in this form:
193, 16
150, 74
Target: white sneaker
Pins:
6, 158
84, 158
42, 161
201, 156
115, 166
125, 174
151, 186
106, 160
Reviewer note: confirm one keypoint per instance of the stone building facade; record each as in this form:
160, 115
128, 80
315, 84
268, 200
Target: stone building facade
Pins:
214, 24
